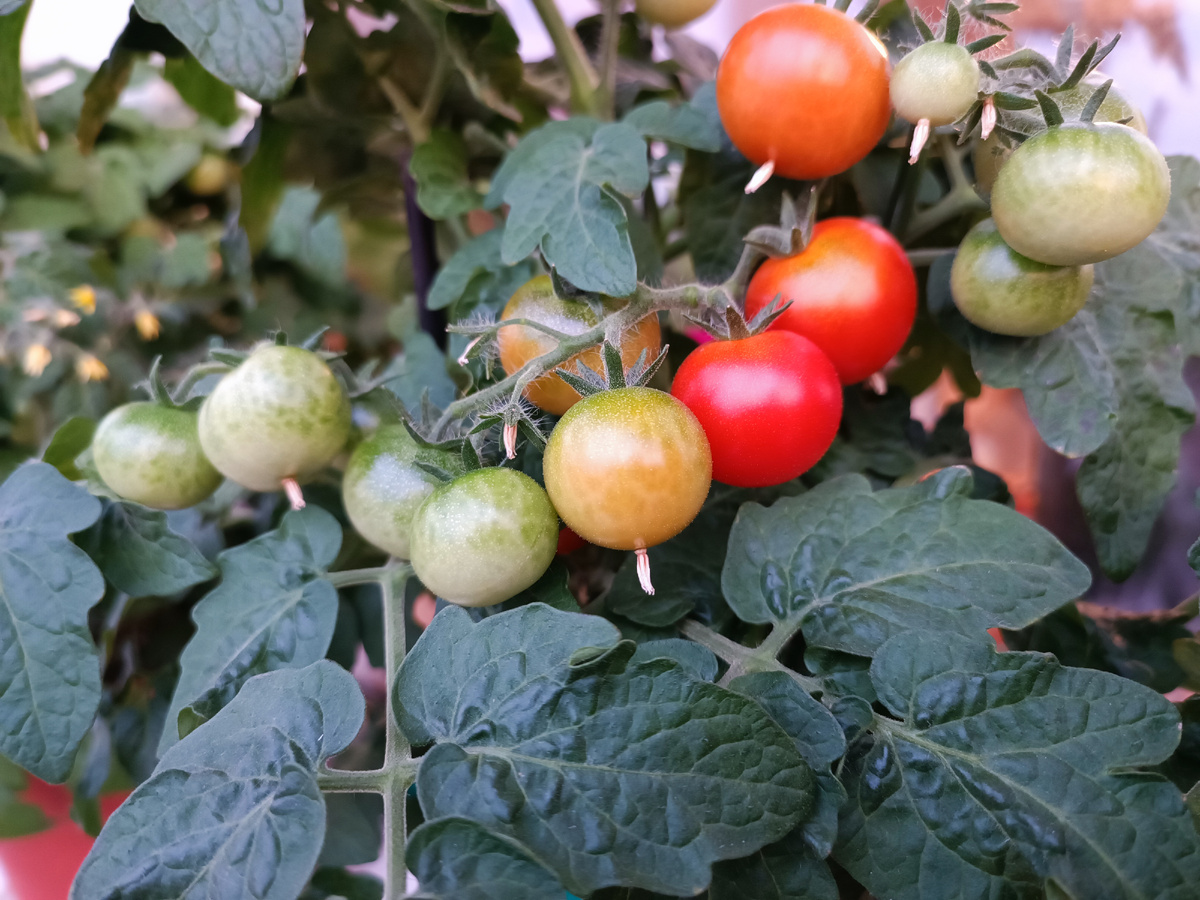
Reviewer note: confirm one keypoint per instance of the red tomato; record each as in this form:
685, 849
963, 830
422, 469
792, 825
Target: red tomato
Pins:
769, 404
568, 542
805, 87
853, 294
42, 866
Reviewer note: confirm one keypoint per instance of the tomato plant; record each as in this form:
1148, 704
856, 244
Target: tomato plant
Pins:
608, 577
852, 293
805, 88
769, 404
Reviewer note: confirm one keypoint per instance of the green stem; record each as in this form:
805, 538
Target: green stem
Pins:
350, 577
195, 375
960, 201
926, 256
397, 758
610, 41
730, 652
16, 106
571, 54
492, 329
952, 159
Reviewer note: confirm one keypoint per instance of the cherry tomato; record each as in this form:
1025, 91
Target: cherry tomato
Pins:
990, 155
484, 537
536, 301
770, 405
1079, 194
804, 87
672, 13
936, 81
1004, 292
853, 294
280, 414
628, 469
383, 486
150, 454
568, 542
211, 175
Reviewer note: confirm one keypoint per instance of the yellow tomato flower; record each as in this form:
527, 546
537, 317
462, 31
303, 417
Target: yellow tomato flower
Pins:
83, 297
89, 368
147, 325
37, 357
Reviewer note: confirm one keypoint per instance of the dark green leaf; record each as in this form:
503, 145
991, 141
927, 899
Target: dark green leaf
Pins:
48, 664
561, 183
313, 242
688, 124
17, 819
439, 166
72, 438
420, 370
548, 736
476, 277
254, 46
856, 567
698, 661
785, 870
202, 91
139, 553
233, 810
355, 829
272, 610
1008, 769
458, 859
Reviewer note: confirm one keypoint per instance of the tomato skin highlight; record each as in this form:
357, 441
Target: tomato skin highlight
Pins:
853, 294
770, 405
999, 290
280, 414
151, 454
628, 469
383, 486
805, 87
484, 537
536, 300
1078, 194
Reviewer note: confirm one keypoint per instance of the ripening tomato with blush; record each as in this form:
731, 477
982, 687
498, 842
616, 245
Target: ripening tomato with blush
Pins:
853, 294
770, 405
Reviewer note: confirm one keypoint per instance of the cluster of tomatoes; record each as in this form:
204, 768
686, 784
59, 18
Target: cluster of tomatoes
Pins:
803, 91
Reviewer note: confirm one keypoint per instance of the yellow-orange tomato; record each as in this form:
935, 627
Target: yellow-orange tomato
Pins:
536, 301
804, 87
628, 469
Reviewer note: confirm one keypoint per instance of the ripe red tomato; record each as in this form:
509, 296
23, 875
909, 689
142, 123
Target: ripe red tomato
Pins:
568, 542
805, 87
770, 405
853, 294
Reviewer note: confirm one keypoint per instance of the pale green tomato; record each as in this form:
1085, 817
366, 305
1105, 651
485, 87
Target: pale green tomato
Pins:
151, 454
937, 81
484, 537
280, 414
672, 13
1004, 292
1078, 194
383, 486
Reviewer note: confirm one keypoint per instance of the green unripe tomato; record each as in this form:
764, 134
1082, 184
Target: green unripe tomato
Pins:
1004, 292
383, 486
672, 13
151, 454
937, 81
484, 537
990, 155
1078, 194
280, 414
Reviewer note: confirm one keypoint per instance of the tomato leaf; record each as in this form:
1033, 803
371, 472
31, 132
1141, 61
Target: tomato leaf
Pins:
254, 46
1008, 769
544, 729
1108, 385
696, 660
476, 277
233, 810
311, 239
688, 124
71, 439
272, 610
48, 664
140, 554
458, 859
785, 870
439, 166
562, 184
854, 568
201, 90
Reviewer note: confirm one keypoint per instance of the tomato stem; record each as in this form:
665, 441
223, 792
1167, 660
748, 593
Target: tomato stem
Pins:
610, 39
571, 54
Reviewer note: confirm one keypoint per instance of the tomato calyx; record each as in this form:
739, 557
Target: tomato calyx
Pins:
797, 218
733, 325
587, 381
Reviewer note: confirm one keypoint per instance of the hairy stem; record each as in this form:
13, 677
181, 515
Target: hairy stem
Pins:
960, 201
195, 375
580, 73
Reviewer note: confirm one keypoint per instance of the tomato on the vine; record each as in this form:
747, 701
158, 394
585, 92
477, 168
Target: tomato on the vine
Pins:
770, 405
536, 301
281, 414
804, 87
937, 82
1080, 193
1002, 291
853, 294
672, 13
151, 454
484, 537
628, 469
384, 486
